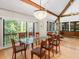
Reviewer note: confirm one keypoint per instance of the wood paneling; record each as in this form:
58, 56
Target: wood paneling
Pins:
70, 34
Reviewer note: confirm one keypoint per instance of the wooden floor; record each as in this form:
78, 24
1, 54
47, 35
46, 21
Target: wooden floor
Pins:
69, 50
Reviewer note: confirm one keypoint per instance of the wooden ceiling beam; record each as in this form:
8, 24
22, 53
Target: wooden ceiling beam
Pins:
70, 14
64, 10
38, 6
67, 6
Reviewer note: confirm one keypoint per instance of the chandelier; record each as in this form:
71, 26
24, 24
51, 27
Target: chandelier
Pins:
40, 14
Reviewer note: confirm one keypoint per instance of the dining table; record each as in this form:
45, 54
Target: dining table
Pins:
32, 40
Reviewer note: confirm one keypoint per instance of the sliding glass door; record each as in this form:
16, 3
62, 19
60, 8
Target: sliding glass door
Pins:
11, 29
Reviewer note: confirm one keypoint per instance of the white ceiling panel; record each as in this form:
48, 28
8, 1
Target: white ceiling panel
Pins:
55, 6
74, 8
17, 5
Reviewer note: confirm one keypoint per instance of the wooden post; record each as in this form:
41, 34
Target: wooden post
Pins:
58, 26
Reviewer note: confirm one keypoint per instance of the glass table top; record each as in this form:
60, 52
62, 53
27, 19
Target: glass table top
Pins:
29, 40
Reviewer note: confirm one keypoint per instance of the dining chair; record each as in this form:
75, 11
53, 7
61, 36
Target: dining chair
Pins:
37, 35
49, 33
30, 34
56, 42
38, 51
47, 46
17, 49
21, 36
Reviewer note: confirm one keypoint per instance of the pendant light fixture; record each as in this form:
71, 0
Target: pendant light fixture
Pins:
40, 14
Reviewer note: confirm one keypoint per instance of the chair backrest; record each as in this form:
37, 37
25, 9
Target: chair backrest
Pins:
50, 41
30, 34
22, 35
53, 36
13, 44
37, 34
49, 33
43, 43
57, 39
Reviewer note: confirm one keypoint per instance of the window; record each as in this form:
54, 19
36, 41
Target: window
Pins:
50, 26
77, 26
72, 26
11, 29
65, 26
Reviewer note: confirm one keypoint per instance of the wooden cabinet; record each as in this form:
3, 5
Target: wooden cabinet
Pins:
70, 34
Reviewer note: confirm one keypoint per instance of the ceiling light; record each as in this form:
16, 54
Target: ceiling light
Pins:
40, 14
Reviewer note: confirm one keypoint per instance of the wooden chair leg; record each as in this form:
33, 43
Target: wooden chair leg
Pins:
31, 55
48, 54
59, 48
25, 54
53, 51
45, 56
12, 55
40, 57
15, 55
56, 50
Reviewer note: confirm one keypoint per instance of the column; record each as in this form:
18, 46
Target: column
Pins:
58, 26
43, 28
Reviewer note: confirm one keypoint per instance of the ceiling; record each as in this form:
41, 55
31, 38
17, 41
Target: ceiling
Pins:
55, 6
17, 6
74, 8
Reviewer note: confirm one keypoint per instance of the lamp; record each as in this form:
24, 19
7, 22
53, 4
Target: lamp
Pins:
40, 14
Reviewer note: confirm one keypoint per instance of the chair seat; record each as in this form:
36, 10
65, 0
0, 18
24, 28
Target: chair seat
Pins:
38, 52
47, 47
20, 48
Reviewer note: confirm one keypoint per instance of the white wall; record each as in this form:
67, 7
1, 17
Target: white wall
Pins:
43, 28
1, 33
16, 16
36, 27
70, 18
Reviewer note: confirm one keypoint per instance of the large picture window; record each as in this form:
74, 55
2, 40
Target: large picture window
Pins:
50, 26
77, 26
65, 26
72, 26
11, 29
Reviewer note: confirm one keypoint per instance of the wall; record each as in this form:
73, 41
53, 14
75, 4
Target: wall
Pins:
6, 14
70, 18
1, 33
43, 28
